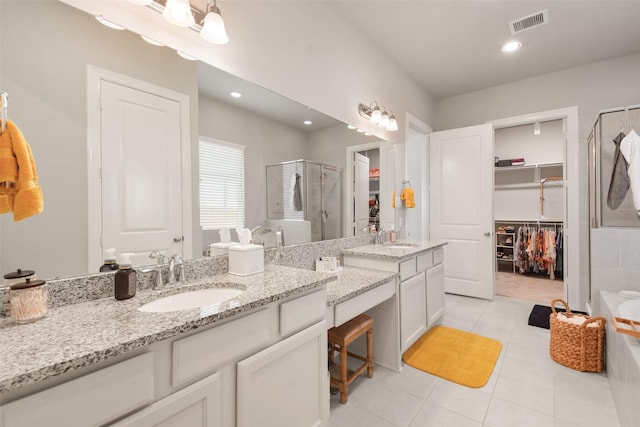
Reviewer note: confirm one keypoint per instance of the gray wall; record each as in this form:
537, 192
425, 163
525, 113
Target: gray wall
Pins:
594, 87
45, 48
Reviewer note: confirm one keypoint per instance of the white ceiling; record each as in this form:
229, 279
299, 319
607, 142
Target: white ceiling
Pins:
453, 47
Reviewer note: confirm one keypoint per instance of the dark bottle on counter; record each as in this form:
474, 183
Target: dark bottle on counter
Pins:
110, 263
125, 278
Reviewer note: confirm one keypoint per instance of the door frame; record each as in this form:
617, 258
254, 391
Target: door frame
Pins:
348, 184
572, 267
94, 158
424, 131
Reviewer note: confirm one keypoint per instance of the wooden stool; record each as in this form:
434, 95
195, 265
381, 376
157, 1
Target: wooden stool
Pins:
339, 338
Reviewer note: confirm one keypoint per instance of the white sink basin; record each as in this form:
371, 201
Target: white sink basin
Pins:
191, 299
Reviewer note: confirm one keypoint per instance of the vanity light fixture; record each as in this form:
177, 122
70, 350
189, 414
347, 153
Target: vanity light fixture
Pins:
213, 30
386, 121
360, 130
511, 46
352, 127
141, 2
104, 21
236, 94
178, 12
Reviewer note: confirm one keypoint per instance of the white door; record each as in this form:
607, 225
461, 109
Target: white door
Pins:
360, 194
461, 172
141, 172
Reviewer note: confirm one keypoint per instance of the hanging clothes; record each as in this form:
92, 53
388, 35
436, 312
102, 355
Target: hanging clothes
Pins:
20, 192
536, 250
630, 149
620, 182
296, 192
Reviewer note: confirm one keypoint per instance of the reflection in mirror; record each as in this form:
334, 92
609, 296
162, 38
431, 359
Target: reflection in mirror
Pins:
43, 67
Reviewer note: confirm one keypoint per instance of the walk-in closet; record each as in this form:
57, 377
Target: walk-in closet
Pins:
528, 206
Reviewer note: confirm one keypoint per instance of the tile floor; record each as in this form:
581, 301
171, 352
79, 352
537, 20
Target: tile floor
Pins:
527, 388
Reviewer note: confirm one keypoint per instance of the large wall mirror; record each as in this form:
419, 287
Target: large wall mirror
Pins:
45, 49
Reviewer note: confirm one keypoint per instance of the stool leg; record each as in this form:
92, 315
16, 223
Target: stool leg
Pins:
370, 353
344, 385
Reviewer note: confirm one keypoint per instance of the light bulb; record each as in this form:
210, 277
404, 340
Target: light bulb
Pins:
376, 115
393, 124
108, 23
178, 12
384, 121
213, 30
141, 2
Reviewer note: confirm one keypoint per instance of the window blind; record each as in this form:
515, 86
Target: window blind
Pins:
221, 184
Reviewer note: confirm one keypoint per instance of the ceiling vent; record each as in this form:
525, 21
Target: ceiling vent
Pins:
529, 22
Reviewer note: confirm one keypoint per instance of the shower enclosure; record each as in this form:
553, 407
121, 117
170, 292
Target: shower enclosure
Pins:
305, 198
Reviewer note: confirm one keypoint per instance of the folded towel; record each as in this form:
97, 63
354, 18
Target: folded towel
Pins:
407, 196
19, 189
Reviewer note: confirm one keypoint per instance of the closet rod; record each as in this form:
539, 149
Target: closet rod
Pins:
546, 221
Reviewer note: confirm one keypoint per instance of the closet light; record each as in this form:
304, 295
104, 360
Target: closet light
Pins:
178, 12
104, 21
213, 30
308, 122
536, 128
236, 94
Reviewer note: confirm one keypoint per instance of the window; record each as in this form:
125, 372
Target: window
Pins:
221, 184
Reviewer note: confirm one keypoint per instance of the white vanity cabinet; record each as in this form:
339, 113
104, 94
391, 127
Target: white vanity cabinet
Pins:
198, 405
265, 367
421, 287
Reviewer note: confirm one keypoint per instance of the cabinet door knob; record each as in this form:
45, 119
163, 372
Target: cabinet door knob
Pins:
487, 233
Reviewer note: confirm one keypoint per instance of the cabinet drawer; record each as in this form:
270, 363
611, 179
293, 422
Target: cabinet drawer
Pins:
299, 313
407, 268
203, 352
91, 400
425, 261
349, 309
438, 256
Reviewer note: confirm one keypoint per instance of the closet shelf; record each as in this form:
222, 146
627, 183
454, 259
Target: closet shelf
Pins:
529, 166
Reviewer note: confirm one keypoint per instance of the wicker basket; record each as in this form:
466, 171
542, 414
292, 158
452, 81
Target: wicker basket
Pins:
579, 347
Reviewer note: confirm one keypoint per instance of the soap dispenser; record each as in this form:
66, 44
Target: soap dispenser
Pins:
125, 278
110, 263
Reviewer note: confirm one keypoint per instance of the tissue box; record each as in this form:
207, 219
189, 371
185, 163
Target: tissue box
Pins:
246, 259
220, 248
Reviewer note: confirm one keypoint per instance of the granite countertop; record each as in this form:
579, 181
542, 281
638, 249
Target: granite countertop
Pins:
78, 335
395, 251
353, 281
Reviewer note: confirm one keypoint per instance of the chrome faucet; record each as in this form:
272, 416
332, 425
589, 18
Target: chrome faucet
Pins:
157, 255
176, 260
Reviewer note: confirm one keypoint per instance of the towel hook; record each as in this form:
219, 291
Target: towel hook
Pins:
4, 96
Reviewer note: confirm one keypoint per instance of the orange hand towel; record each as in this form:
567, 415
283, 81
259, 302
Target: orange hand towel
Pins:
19, 189
407, 196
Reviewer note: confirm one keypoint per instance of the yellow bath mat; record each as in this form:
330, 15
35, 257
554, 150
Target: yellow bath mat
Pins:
458, 356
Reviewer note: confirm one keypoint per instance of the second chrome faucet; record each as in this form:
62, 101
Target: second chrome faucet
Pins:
175, 263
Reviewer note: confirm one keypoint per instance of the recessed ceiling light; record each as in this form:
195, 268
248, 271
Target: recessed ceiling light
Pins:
108, 23
351, 127
151, 41
511, 47
307, 122
236, 94
186, 56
